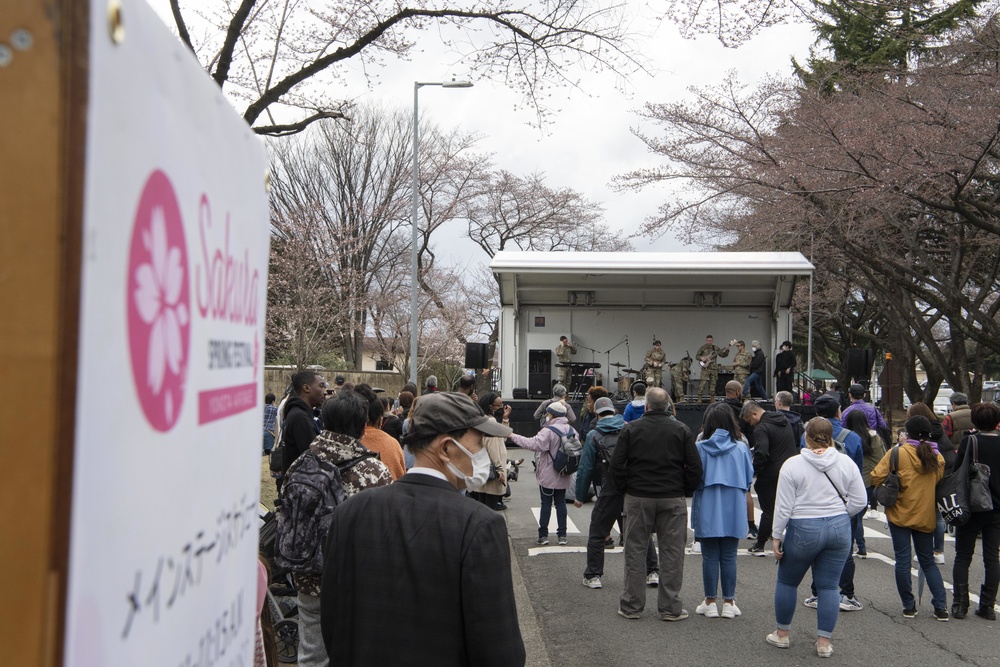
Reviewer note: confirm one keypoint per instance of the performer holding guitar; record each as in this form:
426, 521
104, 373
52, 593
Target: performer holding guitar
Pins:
708, 356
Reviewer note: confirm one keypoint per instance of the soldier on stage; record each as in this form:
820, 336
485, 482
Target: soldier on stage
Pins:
564, 353
655, 359
708, 358
681, 373
741, 363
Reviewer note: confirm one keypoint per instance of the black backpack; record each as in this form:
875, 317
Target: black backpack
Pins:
311, 491
606, 443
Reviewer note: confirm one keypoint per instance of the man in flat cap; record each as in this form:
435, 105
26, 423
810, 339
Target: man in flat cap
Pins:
415, 572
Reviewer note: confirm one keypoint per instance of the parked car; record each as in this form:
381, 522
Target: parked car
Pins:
942, 402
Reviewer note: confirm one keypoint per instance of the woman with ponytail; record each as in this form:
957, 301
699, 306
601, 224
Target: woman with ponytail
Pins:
913, 516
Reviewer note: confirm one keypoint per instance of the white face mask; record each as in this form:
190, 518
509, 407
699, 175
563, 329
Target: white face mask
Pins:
480, 467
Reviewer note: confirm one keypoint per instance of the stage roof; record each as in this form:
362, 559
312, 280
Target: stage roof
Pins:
649, 279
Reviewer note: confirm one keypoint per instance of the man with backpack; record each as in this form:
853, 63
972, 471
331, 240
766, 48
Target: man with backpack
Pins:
552, 480
848, 443
335, 467
656, 465
597, 454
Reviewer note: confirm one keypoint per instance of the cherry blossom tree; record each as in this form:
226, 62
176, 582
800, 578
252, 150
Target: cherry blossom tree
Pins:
273, 54
893, 182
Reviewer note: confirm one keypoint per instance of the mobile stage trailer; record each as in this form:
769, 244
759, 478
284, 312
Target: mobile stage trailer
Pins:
613, 305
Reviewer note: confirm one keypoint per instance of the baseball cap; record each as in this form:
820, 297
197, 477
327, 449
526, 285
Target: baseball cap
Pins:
827, 406
604, 406
557, 408
444, 412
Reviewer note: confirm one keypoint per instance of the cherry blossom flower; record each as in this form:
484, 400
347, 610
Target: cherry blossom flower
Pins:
157, 300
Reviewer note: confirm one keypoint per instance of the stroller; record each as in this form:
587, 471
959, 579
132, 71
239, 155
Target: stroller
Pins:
280, 605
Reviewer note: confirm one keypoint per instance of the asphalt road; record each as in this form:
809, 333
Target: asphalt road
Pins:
566, 624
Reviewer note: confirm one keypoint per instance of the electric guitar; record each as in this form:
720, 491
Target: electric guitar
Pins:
707, 359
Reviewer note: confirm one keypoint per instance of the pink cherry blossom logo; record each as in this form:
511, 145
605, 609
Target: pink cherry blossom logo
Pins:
159, 322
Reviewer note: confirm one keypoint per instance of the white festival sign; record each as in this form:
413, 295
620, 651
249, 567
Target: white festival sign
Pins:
163, 541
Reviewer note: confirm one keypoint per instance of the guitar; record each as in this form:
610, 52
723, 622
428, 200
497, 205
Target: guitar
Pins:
707, 359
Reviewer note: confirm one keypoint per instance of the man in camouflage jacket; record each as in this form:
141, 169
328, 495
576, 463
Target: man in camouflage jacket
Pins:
344, 418
741, 363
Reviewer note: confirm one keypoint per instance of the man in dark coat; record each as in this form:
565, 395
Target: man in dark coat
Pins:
758, 370
417, 573
299, 428
784, 367
773, 443
656, 465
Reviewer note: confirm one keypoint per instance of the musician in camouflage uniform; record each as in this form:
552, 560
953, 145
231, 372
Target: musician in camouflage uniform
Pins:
708, 358
681, 373
655, 359
741, 363
564, 353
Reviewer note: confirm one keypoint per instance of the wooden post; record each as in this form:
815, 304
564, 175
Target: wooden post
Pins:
43, 78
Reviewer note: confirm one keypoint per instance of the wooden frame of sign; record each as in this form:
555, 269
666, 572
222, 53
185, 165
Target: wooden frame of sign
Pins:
44, 79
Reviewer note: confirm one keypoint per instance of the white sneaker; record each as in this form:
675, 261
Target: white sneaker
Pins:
592, 582
812, 602
707, 610
730, 610
939, 558
850, 604
696, 548
653, 579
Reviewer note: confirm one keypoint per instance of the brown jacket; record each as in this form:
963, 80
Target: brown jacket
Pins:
915, 507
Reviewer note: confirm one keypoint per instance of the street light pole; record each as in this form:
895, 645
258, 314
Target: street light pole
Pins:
415, 194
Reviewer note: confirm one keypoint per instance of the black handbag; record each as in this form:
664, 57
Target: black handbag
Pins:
980, 498
888, 492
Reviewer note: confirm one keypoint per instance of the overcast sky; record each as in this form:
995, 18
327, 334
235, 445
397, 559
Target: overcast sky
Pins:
588, 141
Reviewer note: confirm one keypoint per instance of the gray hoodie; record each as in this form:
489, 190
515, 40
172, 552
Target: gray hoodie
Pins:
812, 486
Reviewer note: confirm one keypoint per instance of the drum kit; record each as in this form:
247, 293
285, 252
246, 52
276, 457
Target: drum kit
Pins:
625, 379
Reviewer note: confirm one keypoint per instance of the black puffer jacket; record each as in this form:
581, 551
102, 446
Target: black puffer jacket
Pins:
774, 443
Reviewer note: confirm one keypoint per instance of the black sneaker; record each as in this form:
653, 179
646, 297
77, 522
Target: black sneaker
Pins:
751, 532
941, 615
609, 543
910, 612
756, 551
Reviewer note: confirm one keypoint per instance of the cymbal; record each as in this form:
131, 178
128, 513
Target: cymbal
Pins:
631, 370
616, 365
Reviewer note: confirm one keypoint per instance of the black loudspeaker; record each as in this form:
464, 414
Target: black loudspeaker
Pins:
476, 355
520, 392
859, 363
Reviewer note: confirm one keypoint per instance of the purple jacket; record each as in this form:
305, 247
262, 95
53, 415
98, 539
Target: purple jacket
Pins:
874, 417
546, 443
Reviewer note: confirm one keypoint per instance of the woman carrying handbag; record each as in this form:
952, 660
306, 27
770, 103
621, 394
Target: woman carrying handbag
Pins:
913, 517
986, 443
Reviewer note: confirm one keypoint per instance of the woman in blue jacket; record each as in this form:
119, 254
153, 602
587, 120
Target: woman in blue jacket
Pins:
719, 509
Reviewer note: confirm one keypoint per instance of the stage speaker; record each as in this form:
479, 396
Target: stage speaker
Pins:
476, 355
520, 392
859, 363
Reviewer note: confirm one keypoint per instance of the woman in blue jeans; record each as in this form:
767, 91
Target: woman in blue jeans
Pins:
551, 484
913, 517
719, 507
818, 493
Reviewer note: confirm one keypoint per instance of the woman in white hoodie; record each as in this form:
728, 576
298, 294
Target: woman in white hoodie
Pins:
818, 493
